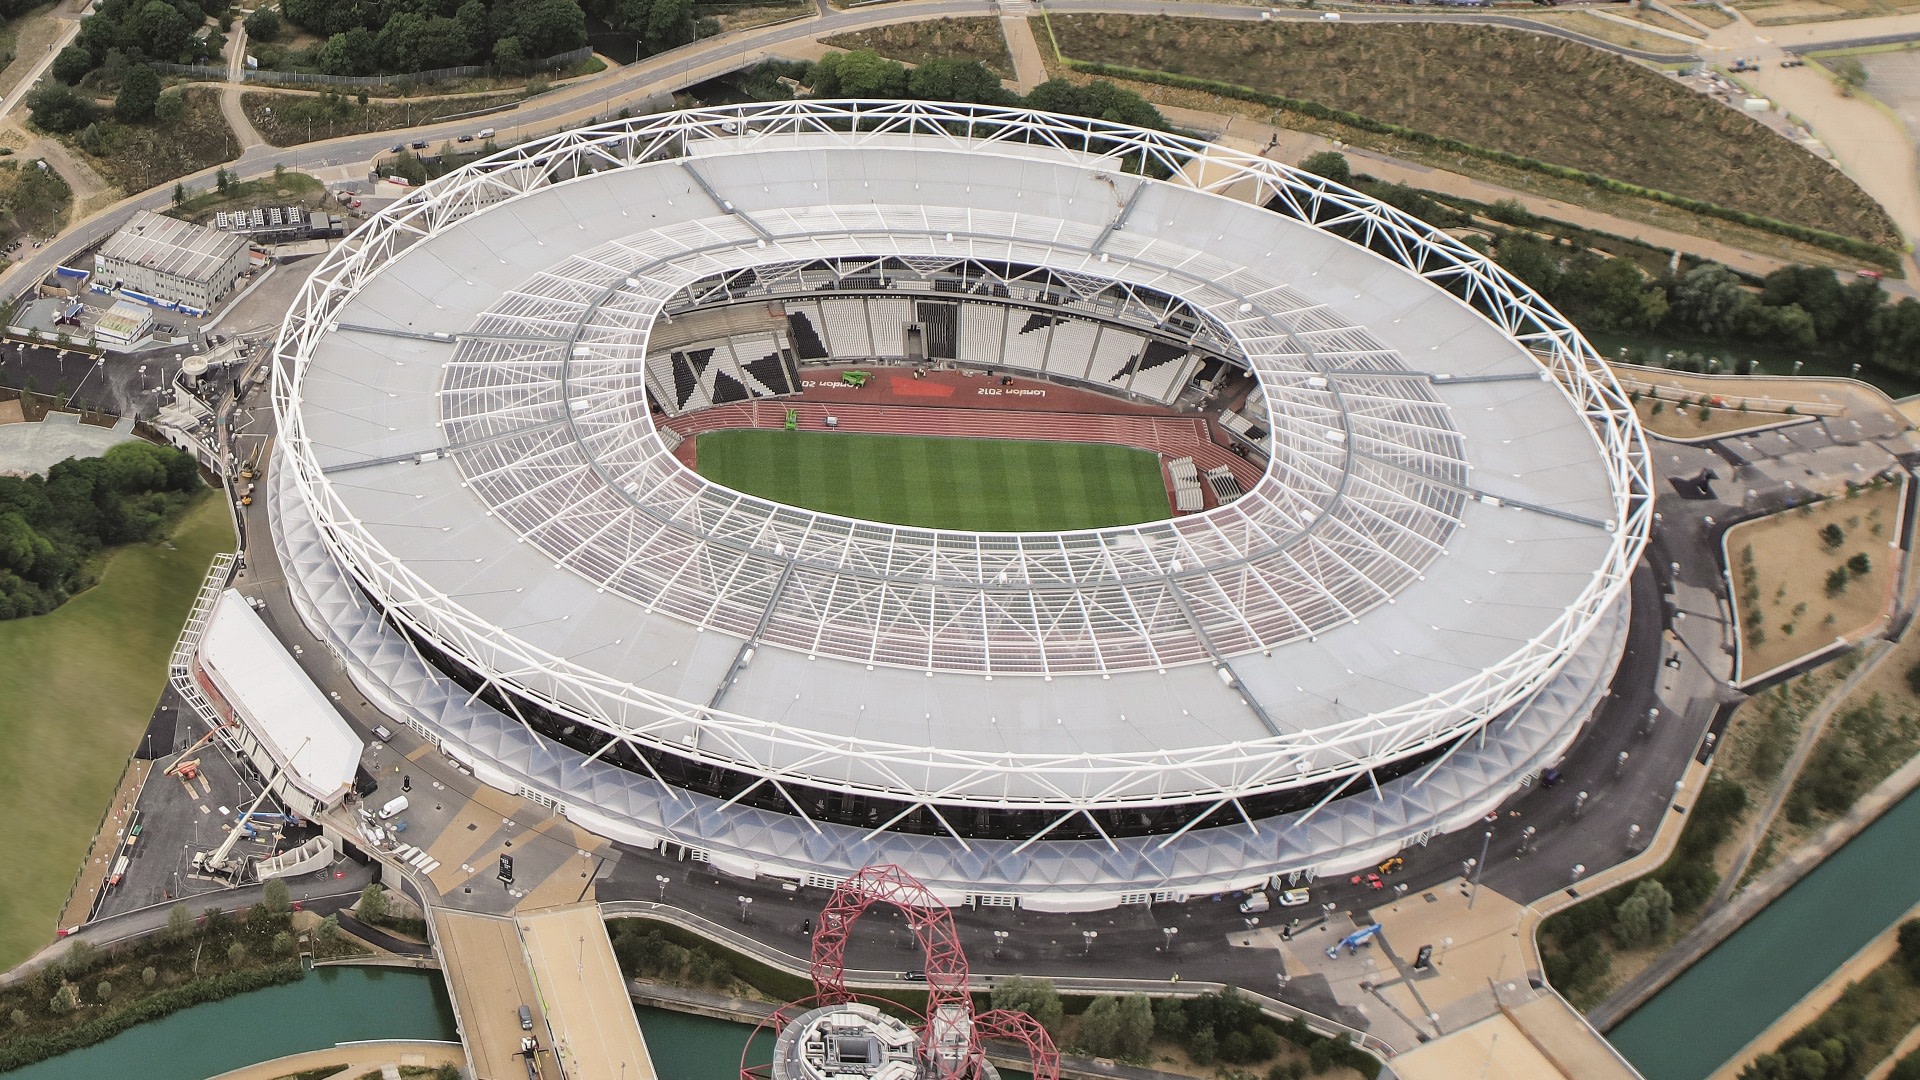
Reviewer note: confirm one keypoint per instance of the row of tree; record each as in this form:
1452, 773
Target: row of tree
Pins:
1225, 1027
1797, 307
50, 528
130, 31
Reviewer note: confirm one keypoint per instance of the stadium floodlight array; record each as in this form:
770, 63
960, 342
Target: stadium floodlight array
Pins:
502, 410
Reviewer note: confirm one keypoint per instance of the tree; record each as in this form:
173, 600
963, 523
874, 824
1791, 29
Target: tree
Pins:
1099, 1027
139, 93
1909, 947
1532, 260
1710, 300
1036, 997
276, 897
1907, 1068
161, 30
104, 991
1832, 536
72, 64
860, 73
179, 923
1630, 922
1859, 565
237, 953
65, 1000
1134, 1031
283, 943
1849, 74
1659, 907
19, 1018
669, 24
60, 109
81, 957
330, 930
547, 27
949, 78
148, 976
1331, 164
1837, 581
263, 24
179, 194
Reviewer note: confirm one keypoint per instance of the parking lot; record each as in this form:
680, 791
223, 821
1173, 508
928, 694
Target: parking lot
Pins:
178, 818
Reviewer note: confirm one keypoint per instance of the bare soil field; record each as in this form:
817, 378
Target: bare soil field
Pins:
1610, 30
1677, 420
1780, 12
1784, 568
917, 42
1556, 101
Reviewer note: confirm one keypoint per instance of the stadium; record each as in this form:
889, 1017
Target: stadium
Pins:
1067, 513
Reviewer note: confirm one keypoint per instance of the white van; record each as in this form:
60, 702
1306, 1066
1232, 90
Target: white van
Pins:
483, 133
394, 808
1255, 903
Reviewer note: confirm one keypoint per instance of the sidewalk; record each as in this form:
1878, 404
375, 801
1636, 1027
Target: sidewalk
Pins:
354, 1059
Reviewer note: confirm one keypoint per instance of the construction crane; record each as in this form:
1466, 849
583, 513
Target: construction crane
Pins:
181, 764
217, 862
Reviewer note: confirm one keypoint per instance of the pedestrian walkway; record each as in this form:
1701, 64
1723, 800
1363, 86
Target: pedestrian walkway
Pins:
1029, 65
356, 1059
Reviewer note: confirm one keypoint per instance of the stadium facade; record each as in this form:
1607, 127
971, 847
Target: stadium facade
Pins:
1410, 613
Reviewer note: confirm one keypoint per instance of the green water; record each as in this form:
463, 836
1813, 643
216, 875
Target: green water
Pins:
330, 1005
1718, 1005
687, 1047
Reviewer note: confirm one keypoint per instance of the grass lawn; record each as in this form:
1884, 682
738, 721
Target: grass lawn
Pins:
1554, 100
989, 485
83, 681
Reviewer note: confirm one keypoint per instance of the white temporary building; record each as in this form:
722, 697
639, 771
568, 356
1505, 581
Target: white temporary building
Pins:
286, 724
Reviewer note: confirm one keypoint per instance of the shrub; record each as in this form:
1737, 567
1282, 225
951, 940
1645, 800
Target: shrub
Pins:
1859, 565
1837, 581
237, 953
148, 976
60, 109
1833, 536
1330, 164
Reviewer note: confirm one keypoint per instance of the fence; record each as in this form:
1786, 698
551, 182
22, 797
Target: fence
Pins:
374, 82
196, 71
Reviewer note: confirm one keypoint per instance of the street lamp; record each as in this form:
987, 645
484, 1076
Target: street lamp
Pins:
1486, 840
746, 902
999, 942
664, 880
1579, 871
1171, 933
1087, 937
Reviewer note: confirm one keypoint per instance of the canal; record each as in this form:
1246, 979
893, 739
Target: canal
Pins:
330, 1005
347, 1004
1718, 1005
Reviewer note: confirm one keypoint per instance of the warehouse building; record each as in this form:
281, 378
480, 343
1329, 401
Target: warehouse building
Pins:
177, 263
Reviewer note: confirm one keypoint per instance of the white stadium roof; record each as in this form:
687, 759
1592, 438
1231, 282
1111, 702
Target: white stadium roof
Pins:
1445, 518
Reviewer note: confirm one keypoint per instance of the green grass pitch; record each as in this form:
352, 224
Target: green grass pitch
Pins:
985, 485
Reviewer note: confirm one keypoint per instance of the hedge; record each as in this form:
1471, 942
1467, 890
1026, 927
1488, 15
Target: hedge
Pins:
27, 1049
1845, 245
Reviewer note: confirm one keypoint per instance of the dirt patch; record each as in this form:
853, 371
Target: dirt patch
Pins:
10, 412
1807, 576
1654, 17
917, 42
1556, 101
1779, 12
1695, 419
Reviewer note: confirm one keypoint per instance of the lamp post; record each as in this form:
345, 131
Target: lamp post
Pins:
1086, 937
1170, 933
1486, 840
999, 943
664, 880
746, 904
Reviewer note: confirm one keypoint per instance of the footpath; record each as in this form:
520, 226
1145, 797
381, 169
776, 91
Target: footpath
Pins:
355, 1059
